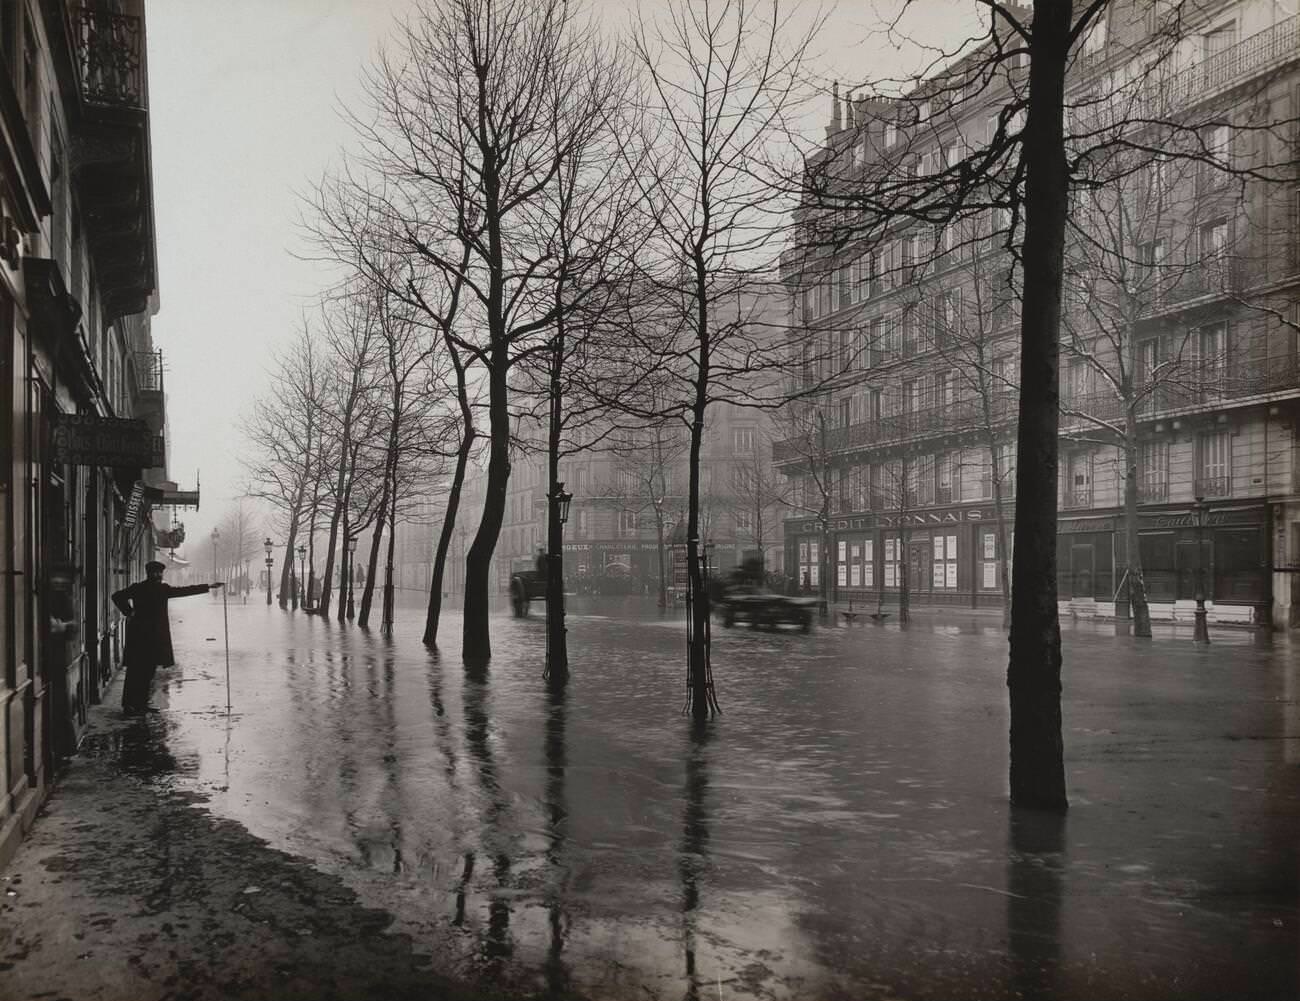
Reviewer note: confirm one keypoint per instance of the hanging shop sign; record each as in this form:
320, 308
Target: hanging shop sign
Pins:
91, 440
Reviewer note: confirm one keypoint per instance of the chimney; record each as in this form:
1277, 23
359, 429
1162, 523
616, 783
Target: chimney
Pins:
835, 125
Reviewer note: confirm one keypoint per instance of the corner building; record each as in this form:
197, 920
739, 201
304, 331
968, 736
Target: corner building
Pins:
81, 383
920, 452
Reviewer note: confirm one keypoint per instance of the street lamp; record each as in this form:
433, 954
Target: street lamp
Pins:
352, 550
216, 534
302, 576
1200, 628
557, 648
268, 545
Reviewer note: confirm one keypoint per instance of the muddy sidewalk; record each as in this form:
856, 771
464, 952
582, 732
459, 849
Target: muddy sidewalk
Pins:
130, 889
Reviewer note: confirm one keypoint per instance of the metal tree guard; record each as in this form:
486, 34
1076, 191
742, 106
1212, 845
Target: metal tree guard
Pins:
703, 598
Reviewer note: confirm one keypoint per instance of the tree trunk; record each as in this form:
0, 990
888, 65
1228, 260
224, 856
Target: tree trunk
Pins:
386, 623
444, 539
1137, 590
326, 591
659, 545
476, 638
557, 646
286, 571
1037, 773
372, 564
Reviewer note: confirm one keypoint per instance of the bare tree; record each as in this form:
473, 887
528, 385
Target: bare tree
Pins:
283, 463
475, 120
723, 80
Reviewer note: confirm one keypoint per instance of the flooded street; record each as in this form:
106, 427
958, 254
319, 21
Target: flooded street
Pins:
841, 831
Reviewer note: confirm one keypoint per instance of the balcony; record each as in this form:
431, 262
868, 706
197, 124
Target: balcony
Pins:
1077, 497
1261, 52
109, 49
1213, 487
1153, 493
109, 151
932, 422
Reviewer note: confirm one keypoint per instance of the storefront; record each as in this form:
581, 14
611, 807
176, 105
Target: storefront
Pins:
950, 556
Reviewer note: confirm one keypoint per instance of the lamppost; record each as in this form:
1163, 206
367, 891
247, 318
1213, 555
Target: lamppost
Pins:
557, 649
302, 576
352, 552
268, 545
216, 534
1200, 628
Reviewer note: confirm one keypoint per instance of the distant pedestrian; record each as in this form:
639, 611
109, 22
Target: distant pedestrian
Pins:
148, 633
807, 582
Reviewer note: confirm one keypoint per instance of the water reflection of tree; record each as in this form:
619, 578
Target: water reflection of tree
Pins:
692, 858
497, 946
1035, 884
557, 976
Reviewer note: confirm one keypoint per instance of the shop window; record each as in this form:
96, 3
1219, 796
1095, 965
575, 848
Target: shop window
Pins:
842, 564
945, 562
989, 559
893, 554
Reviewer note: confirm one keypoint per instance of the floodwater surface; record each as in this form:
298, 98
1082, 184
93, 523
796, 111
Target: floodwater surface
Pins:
840, 831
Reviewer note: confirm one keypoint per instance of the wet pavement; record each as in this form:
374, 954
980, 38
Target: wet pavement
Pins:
840, 832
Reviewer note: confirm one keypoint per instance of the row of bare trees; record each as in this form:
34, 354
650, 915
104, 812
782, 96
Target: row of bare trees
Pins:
576, 232
348, 439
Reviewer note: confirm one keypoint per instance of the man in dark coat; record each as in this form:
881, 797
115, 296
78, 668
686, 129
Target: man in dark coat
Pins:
148, 633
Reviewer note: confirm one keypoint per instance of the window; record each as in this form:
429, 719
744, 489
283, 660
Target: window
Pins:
1094, 42
843, 286
947, 483
1078, 480
989, 555
742, 440
1214, 465
1151, 255
1213, 240
866, 276
924, 480
1213, 171
1005, 459
1153, 482
583, 527
628, 524
1210, 352
744, 520
891, 134
945, 562
986, 474
893, 555
1148, 364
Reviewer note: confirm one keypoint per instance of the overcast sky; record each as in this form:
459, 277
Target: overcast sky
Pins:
244, 105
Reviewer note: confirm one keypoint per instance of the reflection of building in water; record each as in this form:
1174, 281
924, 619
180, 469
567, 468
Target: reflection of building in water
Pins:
77, 291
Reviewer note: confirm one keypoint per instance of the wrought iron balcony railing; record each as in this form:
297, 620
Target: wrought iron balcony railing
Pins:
1237, 63
109, 50
1153, 493
149, 371
1077, 497
1213, 486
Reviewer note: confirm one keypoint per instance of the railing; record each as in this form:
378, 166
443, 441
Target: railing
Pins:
1213, 486
1261, 51
109, 50
149, 370
1153, 493
1077, 498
